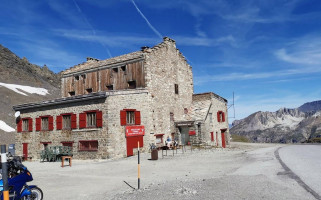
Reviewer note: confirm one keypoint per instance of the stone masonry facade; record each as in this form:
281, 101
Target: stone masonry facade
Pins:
151, 89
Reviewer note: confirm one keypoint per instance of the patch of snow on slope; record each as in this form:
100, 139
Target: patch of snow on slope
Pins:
27, 89
5, 127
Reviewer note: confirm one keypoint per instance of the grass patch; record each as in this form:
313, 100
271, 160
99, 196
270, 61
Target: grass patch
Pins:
239, 138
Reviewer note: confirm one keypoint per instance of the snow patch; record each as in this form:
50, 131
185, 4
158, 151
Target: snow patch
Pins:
5, 127
21, 89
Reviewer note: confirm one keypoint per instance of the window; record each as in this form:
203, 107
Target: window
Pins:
77, 78
131, 84
110, 87
123, 68
83, 76
71, 93
171, 116
66, 121
91, 119
88, 145
89, 90
45, 123
159, 138
115, 70
220, 116
176, 88
25, 125
185, 110
129, 117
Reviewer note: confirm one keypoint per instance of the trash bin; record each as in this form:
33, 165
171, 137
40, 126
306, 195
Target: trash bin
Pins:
154, 154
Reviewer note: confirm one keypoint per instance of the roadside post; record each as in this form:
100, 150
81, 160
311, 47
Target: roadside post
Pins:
138, 168
4, 173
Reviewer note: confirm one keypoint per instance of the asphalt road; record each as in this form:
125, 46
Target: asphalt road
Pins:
304, 164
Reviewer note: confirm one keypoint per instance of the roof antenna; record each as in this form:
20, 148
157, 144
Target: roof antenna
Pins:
232, 105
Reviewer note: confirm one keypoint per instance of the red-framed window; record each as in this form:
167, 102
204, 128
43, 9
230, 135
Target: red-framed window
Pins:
91, 119
24, 125
130, 117
88, 145
66, 121
44, 123
67, 143
220, 116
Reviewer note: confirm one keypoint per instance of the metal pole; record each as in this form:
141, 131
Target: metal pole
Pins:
4, 173
138, 168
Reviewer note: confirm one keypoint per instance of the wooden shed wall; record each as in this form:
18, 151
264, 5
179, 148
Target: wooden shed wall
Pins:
117, 77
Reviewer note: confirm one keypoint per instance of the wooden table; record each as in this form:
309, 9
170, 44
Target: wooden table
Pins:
63, 159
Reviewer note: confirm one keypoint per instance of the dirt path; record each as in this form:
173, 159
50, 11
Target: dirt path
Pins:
244, 171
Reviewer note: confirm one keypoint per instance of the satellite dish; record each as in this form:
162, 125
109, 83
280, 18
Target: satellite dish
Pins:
17, 114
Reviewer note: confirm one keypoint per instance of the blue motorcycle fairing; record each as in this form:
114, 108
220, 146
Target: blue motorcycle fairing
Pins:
26, 190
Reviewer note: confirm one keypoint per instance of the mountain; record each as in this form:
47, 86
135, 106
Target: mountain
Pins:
22, 82
283, 126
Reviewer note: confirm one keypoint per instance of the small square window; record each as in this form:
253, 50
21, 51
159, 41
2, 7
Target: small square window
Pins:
72, 93
89, 90
115, 70
131, 84
77, 78
88, 145
110, 87
123, 68
83, 76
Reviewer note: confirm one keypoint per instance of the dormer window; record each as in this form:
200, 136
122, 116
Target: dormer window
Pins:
131, 84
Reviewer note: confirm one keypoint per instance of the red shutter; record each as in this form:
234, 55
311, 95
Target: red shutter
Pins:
218, 116
50, 120
19, 126
99, 119
122, 118
73, 121
38, 124
137, 117
82, 120
59, 122
212, 136
223, 117
30, 124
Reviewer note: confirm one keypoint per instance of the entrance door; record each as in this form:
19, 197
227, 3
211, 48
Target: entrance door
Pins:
184, 135
132, 142
25, 151
223, 139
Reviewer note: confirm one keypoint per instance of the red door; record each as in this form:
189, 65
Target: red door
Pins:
223, 139
132, 142
25, 151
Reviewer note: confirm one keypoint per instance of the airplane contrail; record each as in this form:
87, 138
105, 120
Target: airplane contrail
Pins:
91, 27
148, 23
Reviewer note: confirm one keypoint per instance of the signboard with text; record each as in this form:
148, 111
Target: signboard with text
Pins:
135, 131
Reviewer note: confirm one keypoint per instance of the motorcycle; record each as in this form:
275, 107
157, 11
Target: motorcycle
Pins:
18, 176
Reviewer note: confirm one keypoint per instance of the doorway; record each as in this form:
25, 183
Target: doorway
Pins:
223, 137
25, 151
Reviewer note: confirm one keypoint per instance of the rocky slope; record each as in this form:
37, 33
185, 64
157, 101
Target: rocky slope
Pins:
285, 125
15, 73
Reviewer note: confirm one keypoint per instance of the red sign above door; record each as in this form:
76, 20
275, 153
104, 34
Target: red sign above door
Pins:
135, 131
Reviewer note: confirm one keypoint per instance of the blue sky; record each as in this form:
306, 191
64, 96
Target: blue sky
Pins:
267, 52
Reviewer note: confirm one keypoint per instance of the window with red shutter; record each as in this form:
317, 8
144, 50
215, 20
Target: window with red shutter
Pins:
99, 118
38, 124
223, 117
73, 121
19, 126
137, 118
122, 117
59, 122
30, 125
218, 116
82, 120
50, 123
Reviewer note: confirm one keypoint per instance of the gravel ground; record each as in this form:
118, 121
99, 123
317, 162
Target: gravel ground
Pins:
242, 171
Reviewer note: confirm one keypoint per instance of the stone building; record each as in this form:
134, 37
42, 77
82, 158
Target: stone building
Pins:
108, 106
